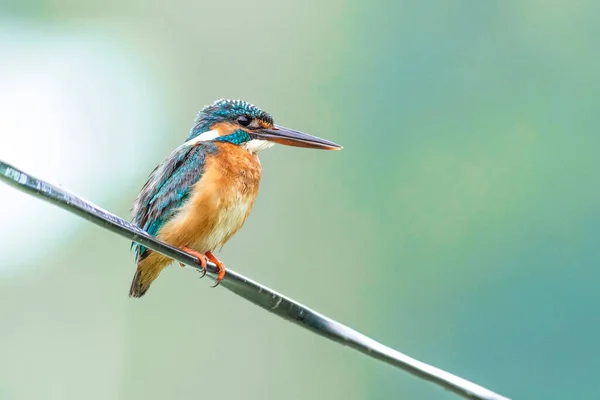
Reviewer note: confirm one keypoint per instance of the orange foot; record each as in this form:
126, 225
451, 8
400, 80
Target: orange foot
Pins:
201, 259
220, 267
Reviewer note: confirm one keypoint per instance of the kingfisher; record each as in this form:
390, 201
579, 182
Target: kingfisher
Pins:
203, 192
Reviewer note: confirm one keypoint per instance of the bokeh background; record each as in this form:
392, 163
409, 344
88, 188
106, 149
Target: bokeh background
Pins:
459, 225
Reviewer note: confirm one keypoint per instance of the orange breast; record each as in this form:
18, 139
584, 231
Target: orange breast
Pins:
219, 203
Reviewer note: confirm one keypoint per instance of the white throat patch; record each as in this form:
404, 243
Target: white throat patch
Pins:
256, 145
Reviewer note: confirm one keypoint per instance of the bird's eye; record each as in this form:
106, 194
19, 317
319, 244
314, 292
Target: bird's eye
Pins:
244, 120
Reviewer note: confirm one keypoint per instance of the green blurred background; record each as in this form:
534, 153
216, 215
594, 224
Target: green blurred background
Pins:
459, 224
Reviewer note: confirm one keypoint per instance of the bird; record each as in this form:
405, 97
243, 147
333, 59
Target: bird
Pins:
201, 194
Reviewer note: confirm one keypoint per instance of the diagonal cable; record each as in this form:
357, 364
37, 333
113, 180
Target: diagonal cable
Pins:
250, 290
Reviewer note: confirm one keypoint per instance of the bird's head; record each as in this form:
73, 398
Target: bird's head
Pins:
243, 124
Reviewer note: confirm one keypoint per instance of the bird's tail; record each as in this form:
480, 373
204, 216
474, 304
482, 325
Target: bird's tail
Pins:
139, 285
147, 271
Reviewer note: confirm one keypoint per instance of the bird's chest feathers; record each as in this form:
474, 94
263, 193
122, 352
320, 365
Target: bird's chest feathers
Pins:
225, 194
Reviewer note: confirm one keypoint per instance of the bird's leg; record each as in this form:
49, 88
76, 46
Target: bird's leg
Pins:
220, 267
201, 258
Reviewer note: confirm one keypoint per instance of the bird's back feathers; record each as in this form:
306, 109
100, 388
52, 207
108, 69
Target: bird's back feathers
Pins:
168, 187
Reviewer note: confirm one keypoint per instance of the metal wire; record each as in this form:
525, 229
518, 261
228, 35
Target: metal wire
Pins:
250, 290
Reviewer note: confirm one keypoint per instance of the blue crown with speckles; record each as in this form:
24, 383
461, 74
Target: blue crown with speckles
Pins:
225, 110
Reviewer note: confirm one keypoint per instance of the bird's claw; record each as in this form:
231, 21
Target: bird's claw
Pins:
201, 259
220, 268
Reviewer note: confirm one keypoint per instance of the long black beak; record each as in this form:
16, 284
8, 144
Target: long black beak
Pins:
290, 137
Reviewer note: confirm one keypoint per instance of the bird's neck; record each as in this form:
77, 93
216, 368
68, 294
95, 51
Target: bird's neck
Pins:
242, 138
238, 137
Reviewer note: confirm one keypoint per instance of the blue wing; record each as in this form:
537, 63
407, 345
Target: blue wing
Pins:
168, 188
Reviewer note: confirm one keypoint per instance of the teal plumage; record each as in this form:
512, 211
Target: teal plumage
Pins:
238, 137
168, 188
